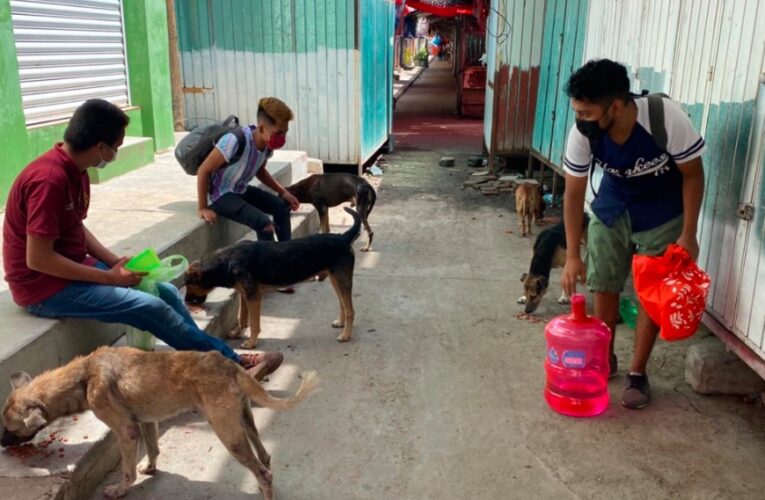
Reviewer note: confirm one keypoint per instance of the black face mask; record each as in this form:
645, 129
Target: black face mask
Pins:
590, 129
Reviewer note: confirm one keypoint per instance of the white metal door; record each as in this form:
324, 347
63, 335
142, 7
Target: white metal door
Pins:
69, 51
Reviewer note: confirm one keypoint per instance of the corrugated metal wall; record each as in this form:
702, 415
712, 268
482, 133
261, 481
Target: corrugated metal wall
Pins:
376, 78
709, 55
68, 51
565, 25
514, 45
306, 52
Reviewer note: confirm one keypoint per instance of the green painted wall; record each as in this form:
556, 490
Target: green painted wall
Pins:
149, 68
13, 140
149, 79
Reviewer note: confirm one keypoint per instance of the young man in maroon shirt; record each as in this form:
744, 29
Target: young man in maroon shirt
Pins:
56, 268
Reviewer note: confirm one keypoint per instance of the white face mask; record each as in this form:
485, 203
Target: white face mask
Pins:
103, 162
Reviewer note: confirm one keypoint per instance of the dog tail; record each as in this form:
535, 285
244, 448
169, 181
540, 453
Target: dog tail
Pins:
350, 235
259, 395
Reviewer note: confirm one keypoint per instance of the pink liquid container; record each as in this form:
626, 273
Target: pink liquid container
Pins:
577, 362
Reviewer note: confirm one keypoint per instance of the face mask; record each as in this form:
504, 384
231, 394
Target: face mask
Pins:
277, 141
591, 128
103, 162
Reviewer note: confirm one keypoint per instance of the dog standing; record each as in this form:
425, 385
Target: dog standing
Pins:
527, 204
329, 190
549, 253
251, 267
132, 390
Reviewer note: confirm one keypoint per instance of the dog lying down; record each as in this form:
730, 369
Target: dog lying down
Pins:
549, 253
251, 267
132, 390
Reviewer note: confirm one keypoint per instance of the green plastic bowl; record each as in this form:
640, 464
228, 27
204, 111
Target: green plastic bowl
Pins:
146, 261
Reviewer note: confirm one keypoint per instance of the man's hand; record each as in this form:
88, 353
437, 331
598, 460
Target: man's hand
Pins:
690, 243
208, 216
119, 276
573, 270
291, 201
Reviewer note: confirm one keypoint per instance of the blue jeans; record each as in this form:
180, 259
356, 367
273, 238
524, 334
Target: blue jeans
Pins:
166, 316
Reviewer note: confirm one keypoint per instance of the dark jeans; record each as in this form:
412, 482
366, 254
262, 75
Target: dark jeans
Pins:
251, 208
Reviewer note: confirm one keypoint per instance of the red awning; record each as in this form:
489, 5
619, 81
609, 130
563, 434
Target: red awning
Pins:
444, 8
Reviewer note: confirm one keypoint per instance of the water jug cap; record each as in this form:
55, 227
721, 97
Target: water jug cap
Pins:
578, 307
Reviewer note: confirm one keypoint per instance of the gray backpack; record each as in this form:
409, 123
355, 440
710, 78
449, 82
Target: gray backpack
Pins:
197, 145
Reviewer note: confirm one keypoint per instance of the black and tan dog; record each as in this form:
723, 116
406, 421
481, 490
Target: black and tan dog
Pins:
329, 190
549, 253
131, 390
251, 267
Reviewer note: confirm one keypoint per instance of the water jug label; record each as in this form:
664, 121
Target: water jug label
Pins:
552, 354
574, 359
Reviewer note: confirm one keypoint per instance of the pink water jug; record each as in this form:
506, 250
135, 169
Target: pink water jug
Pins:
577, 362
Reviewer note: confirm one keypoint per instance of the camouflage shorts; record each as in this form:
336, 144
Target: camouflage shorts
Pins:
610, 250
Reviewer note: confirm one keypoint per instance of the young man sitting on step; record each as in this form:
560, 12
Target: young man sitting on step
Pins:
57, 268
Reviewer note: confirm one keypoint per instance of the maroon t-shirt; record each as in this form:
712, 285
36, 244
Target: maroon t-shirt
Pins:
49, 199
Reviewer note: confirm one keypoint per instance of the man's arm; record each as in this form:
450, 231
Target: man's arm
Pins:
265, 177
213, 162
693, 193
41, 257
98, 250
573, 218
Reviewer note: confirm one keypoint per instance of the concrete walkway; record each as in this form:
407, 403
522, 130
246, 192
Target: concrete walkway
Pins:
439, 395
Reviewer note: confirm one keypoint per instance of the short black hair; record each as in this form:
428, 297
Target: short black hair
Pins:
599, 81
95, 121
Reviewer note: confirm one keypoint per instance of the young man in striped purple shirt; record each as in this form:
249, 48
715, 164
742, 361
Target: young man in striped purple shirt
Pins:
649, 196
223, 188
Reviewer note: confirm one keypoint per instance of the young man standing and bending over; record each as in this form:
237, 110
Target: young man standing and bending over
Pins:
649, 196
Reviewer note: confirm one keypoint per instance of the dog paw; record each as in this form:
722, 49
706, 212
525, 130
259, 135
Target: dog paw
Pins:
344, 337
249, 343
338, 323
147, 468
521, 300
366, 249
563, 301
115, 491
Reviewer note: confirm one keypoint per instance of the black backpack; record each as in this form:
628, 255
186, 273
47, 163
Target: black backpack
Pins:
197, 145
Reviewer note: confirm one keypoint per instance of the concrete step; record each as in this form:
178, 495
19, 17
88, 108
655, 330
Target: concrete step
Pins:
134, 153
84, 450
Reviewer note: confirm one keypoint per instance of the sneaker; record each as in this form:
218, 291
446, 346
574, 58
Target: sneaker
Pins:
635, 395
261, 364
613, 364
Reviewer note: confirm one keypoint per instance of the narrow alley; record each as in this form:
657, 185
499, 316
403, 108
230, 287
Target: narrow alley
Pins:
439, 395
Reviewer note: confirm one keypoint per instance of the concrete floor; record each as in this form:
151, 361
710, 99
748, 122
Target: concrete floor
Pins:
439, 395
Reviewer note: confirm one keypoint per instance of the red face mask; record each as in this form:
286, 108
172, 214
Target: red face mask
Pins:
277, 141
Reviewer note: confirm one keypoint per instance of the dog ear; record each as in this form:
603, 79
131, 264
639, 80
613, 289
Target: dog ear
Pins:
35, 419
524, 276
20, 379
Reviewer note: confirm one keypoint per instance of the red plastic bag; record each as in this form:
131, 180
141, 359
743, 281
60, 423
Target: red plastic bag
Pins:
673, 291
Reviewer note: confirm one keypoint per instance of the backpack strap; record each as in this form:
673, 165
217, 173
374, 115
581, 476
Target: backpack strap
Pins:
656, 119
241, 142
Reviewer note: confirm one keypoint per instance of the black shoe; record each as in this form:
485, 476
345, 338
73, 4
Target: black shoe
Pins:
635, 395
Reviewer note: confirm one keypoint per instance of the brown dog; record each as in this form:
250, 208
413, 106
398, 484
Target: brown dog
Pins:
132, 390
527, 204
329, 190
252, 267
